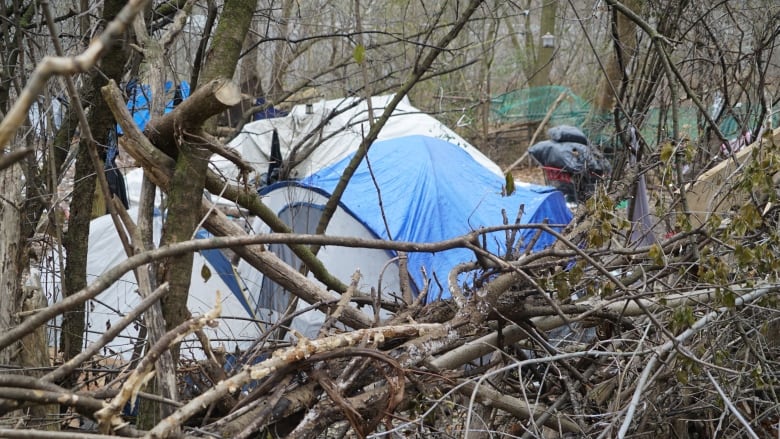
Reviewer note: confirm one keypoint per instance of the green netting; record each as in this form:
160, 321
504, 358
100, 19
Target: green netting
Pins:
532, 104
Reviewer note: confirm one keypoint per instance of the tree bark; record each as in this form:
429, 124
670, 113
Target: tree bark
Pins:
10, 242
180, 135
187, 184
76, 239
625, 47
540, 74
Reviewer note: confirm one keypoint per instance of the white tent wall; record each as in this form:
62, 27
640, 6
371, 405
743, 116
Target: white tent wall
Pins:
340, 137
378, 269
237, 328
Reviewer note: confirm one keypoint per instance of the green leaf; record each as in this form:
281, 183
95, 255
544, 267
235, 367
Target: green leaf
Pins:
682, 376
666, 152
205, 273
359, 54
510, 183
656, 254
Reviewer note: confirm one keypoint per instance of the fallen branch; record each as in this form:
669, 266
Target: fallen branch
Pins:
107, 417
283, 357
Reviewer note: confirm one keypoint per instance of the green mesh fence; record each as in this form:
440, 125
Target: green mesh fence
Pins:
532, 104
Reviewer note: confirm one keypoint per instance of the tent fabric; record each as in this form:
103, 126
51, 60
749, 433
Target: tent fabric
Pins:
642, 218
237, 324
301, 207
336, 139
432, 190
139, 97
269, 113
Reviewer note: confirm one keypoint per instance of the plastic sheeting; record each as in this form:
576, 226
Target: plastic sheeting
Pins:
575, 158
567, 133
339, 137
432, 190
141, 95
236, 326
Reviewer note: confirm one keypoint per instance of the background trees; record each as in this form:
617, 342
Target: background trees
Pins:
687, 76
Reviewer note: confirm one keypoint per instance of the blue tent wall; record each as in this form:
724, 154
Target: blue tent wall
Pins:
432, 190
140, 96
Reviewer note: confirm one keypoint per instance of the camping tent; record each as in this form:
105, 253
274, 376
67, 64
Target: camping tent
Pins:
238, 325
337, 138
418, 189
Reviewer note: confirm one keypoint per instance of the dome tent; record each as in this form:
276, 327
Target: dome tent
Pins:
431, 190
239, 324
336, 127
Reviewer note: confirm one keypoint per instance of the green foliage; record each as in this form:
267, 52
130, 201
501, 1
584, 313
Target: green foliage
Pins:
656, 254
359, 54
685, 369
509, 189
727, 298
667, 151
205, 273
682, 319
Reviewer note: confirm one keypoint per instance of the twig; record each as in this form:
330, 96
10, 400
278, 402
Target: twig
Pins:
671, 344
342, 303
109, 335
9, 158
538, 130
50, 66
730, 405
107, 417
304, 349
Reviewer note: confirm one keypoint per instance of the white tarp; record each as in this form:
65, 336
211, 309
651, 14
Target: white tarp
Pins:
337, 139
236, 325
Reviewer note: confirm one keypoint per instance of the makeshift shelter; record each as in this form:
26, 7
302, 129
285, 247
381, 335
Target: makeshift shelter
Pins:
239, 324
309, 132
418, 189
140, 96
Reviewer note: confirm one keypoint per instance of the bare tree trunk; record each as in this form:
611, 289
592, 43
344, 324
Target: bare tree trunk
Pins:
625, 46
280, 60
10, 216
543, 66
189, 177
76, 240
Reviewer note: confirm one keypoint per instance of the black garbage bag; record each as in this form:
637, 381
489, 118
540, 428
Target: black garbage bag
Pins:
567, 133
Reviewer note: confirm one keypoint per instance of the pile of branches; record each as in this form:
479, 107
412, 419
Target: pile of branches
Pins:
593, 337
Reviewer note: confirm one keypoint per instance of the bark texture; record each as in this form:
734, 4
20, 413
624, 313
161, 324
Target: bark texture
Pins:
184, 139
76, 239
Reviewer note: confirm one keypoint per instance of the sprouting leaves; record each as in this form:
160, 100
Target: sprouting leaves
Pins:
509, 189
656, 254
359, 54
205, 273
667, 151
682, 319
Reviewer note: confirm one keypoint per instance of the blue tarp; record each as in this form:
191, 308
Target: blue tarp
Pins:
431, 191
268, 113
140, 95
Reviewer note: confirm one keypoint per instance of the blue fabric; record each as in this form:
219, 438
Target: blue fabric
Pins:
431, 191
140, 95
268, 113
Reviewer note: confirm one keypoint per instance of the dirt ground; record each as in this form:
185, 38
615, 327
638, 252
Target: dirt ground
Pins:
529, 174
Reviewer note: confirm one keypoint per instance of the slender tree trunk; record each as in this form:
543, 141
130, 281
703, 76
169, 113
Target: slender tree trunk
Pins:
189, 177
10, 242
76, 239
544, 59
616, 67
